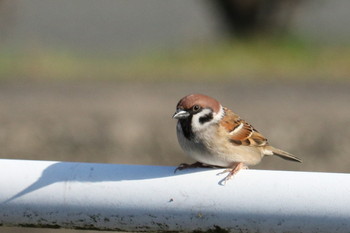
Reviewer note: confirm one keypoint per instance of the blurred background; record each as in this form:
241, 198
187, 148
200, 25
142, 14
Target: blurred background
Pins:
98, 81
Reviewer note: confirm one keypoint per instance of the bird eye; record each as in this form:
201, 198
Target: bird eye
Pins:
195, 108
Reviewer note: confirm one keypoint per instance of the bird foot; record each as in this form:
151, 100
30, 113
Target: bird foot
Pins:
232, 171
183, 166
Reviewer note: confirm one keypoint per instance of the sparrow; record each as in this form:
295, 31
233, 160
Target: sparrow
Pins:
215, 136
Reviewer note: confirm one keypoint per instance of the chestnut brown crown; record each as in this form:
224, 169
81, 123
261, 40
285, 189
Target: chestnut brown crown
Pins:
203, 101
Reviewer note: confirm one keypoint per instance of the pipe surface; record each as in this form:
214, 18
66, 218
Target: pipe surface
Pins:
152, 198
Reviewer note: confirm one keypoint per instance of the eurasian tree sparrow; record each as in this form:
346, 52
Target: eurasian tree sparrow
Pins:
215, 136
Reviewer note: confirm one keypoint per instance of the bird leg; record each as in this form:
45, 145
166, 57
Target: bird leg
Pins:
183, 166
233, 171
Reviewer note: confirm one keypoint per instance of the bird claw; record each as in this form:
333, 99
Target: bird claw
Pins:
183, 166
231, 172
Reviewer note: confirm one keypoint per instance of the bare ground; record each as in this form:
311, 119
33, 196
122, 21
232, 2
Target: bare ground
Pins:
108, 122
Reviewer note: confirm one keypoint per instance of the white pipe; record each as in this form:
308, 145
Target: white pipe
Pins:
153, 198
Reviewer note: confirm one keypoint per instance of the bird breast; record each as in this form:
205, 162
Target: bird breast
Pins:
210, 148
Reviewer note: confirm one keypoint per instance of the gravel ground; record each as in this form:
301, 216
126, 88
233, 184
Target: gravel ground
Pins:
108, 122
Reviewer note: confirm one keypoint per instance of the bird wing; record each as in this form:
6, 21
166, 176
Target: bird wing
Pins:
241, 132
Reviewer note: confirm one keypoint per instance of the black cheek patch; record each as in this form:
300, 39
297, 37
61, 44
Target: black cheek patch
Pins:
206, 118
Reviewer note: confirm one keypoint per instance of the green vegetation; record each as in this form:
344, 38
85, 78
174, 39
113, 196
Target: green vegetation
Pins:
283, 60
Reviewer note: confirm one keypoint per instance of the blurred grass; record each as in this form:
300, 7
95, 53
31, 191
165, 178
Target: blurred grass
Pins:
270, 59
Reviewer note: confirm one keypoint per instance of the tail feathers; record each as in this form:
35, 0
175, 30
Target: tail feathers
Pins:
283, 154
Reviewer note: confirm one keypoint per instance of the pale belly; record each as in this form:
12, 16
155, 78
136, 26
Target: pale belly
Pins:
220, 155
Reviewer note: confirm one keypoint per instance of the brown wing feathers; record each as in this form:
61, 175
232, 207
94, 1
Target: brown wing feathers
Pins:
241, 132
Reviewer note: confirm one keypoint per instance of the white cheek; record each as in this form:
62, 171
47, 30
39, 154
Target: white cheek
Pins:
197, 126
219, 115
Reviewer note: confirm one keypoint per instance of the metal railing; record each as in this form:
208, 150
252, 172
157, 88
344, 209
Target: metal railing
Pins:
153, 198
